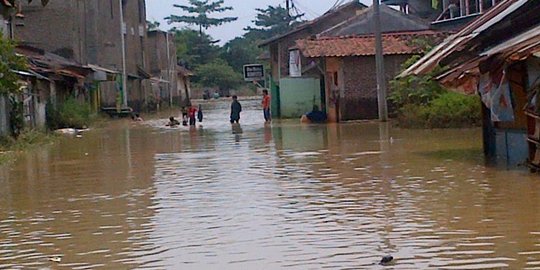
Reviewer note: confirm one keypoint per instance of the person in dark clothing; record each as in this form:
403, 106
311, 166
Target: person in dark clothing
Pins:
172, 122
316, 115
236, 109
184, 116
200, 113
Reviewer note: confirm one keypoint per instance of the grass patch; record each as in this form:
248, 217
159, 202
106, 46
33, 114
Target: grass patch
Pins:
27, 140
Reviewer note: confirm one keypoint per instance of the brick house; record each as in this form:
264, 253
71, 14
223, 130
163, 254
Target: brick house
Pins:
349, 67
91, 35
278, 48
346, 53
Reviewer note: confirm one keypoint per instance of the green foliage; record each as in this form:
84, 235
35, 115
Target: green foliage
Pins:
421, 102
201, 10
417, 90
16, 116
28, 139
9, 61
70, 114
239, 52
218, 74
272, 21
153, 25
195, 49
449, 110
199, 52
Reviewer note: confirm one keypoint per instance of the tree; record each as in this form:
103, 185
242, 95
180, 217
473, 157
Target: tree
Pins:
152, 25
202, 9
194, 49
272, 21
241, 51
9, 80
218, 74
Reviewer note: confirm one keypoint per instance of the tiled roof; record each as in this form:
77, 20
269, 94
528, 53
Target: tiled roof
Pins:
395, 43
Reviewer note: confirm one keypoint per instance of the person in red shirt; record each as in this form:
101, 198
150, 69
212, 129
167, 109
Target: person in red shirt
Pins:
192, 114
266, 106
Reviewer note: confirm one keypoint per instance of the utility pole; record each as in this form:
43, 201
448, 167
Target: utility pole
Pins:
169, 70
288, 6
124, 71
381, 80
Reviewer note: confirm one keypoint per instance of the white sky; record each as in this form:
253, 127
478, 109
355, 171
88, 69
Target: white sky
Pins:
243, 9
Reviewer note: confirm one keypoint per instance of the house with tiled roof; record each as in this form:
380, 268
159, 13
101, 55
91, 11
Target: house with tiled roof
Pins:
347, 51
283, 76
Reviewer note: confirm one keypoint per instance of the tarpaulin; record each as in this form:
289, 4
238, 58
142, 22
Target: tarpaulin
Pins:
495, 92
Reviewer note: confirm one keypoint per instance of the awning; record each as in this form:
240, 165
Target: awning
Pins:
158, 80
30, 73
98, 68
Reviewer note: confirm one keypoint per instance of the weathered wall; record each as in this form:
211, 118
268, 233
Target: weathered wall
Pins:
49, 28
298, 95
360, 94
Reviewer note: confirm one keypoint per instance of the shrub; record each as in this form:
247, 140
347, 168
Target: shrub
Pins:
69, 114
449, 110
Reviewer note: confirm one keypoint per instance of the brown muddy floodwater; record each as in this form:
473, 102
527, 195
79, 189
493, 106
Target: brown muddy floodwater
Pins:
284, 196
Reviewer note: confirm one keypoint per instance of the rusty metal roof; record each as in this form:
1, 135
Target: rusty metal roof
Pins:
393, 44
461, 42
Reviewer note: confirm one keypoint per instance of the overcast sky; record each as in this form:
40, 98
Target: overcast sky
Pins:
243, 9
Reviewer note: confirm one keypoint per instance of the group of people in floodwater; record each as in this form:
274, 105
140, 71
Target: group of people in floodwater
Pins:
192, 114
189, 115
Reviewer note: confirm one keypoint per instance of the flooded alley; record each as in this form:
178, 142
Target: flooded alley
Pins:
255, 196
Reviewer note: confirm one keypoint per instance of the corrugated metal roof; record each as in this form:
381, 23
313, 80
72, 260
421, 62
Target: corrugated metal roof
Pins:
393, 44
459, 41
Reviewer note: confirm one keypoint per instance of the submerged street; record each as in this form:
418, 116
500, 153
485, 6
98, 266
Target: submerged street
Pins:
281, 196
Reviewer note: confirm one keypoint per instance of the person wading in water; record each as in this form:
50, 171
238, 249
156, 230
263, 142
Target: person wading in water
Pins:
236, 109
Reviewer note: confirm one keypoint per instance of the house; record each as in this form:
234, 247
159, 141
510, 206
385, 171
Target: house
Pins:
346, 53
170, 82
497, 56
49, 78
91, 34
335, 68
280, 57
348, 65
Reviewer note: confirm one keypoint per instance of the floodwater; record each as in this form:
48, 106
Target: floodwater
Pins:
281, 196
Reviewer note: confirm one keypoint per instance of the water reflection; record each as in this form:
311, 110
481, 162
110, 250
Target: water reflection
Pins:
274, 196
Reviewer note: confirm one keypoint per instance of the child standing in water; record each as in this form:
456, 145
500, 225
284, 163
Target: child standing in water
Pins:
236, 109
200, 114
184, 116
266, 106
192, 114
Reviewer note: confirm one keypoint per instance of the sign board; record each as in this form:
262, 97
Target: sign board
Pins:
253, 72
295, 63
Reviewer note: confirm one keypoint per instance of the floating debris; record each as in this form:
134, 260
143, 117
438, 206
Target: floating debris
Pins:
55, 259
386, 260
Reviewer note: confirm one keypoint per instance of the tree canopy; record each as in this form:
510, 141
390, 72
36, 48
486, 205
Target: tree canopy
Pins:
273, 20
201, 9
221, 66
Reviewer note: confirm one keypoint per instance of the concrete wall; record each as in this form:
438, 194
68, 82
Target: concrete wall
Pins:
360, 78
298, 95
